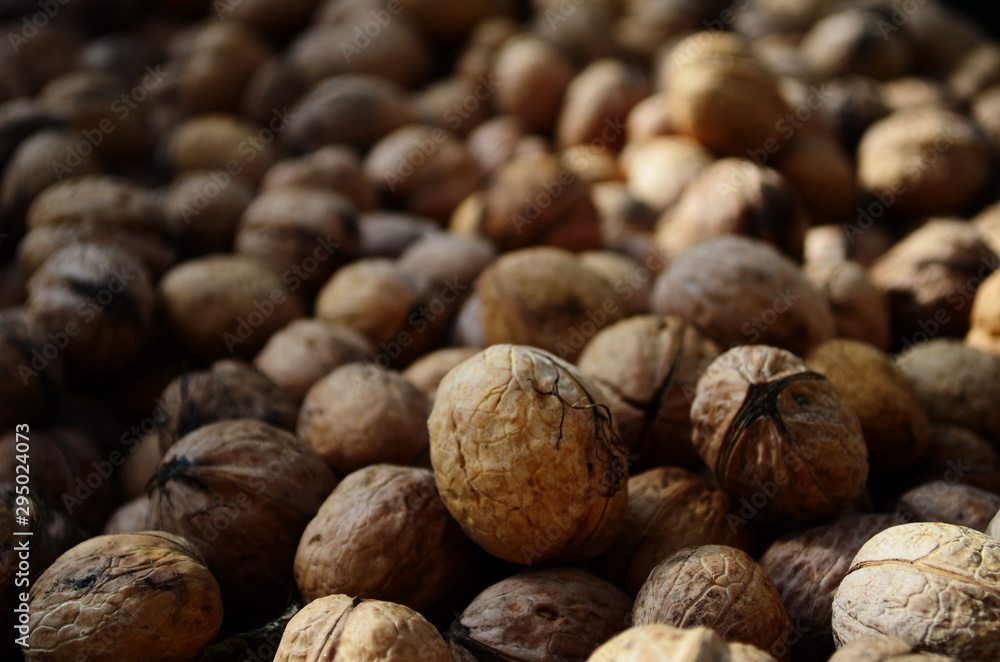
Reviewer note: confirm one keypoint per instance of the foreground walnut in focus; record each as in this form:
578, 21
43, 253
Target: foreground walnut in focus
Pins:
718, 587
527, 457
550, 615
645, 643
766, 425
131, 597
935, 586
340, 628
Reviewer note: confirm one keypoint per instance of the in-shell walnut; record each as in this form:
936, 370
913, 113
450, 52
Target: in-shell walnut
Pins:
527, 457
935, 586
646, 643
952, 503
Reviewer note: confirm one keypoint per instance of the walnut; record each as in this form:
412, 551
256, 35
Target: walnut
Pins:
220, 305
336, 168
527, 457
598, 99
387, 233
853, 103
549, 615
659, 170
445, 258
778, 434
427, 372
883, 648
892, 419
202, 210
860, 309
346, 547
735, 196
229, 390
360, 414
845, 42
32, 368
738, 290
952, 503
658, 641
531, 76
96, 302
933, 585
498, 140
274, 18
545, 297
984, 332
341, 628
718, 587
652, 364
931, 277
225, 143
926, 161
959, 455
130, 517
305, 351
242, 492
668, 509
808, 566
633, 281
451, 102
956, 384
129, 596
822, 173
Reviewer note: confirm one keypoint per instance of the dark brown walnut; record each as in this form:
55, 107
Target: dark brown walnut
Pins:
722, 96
926, 161
776, 433
949, 502
302, 233
46, 55
305, 351
718, 587
892, 418
498, 140
956, 384
849, 42
598, 100
384, 534
229, 144
386, 233
220, 305
531, 76
631, 273
360, 414
984, 322
883, 648
336, 168
98, 301
274, 18
739, 291
545, 297
931, 277
959, 455
342, 627
534, 198
549, 615
527, 457
130, 517
807, 567
427, 171
132, 596
31, 368
668, 509
451, 103
933, 585
202, 209
447, 259
228, 390
427, 372
735, 196
96, 209
484, 39
91, 100
20, 118
860, 309
658, 170
242, 492
652, 364
354, 109
822, 173
584, 34
625, 221
657, 641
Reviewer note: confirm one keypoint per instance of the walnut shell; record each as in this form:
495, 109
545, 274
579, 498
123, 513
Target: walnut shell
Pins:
427, 372
340, 628
32, 368
242, 492
129, 596
653, 364
203, 209
853, 41
526, 456
598, 100
641, 643
130, 517
808, 566
892, 419
531, 76
719, 587
952, 503
883, 648
960, 455
224, 143
336, 168
360, 415
933, 585
659, 170
738, 290
822, 173
984, 331
668, 509
778, 434
550, 615
860, 309
346, 547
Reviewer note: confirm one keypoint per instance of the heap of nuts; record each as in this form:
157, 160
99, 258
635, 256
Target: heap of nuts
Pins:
473, 330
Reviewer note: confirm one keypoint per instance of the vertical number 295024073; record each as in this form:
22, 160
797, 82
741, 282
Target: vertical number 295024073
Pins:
22, 448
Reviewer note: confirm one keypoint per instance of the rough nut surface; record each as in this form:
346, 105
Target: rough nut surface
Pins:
527, 457
649, 643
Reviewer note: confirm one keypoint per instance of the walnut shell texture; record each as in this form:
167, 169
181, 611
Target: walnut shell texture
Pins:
648, 643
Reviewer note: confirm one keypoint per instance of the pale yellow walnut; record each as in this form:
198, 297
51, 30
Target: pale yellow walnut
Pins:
658, 642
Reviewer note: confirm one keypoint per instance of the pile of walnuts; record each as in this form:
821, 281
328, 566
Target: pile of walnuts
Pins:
476, 330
